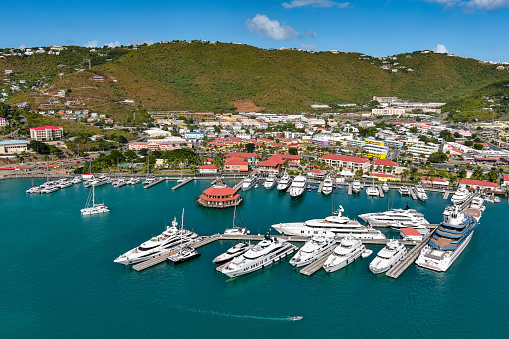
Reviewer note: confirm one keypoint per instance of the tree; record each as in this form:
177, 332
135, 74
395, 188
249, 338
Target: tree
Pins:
250, 147
413, 130
469, 143
478, 146
438, 157
130, 154
143, 152
457, 135
445, 134
39, 147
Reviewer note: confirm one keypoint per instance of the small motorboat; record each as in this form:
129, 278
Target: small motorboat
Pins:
366, 253
297, 317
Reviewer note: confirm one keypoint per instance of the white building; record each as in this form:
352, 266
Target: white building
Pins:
3, 122
46, 133
386, 111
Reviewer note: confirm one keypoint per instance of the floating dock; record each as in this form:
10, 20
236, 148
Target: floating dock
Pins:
349, 189
412, 193
182, 183
158, 181
315, 265
381, 191
320, 188
239, 185
446, 194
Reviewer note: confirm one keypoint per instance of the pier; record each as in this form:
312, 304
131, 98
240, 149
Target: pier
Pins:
158, 181
349, 189
239, 185
315, 265
446, 194
381, 191
467, 202
320, 188
188, 180
412, 193
379, 225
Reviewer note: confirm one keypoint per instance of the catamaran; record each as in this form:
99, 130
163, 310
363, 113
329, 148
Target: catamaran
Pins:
93, 208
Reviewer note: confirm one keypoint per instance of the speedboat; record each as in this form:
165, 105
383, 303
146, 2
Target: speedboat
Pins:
385, 187
186, 253
328, 185
313, 249
266, 252
348, 250
404, 217
298, 187
285, 182
356, 186
420, 193
249, 182
339, 225
449, 240
235, 251
387, 257
270, 182
460, 196
403, 190
156, 246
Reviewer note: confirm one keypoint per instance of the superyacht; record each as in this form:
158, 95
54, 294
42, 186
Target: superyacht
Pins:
405, 217
270, 181
345, 253
356, 186
420, 193
249, 182
285, 182
328, 186
266, 252
403, 190
387, 257
232, 252
460, 196
313, 249
337, 224
298, 187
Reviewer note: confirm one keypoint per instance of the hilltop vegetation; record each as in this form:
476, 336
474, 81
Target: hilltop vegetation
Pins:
207, 77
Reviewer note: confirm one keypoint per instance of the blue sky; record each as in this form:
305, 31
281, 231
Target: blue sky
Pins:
468, 28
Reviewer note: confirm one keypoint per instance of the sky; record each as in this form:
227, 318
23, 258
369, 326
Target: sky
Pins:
469, 28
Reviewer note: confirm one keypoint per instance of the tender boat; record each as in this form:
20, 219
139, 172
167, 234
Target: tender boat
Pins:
420, 193
249, 182
345, 253
186, 253
266, 252
232, 252
270, 182
387, 257
328, 185
339, 225
313, 249
403, 190
298, 187
285, 182
449, 240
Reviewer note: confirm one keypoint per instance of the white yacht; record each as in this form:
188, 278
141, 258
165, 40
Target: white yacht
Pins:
337, 224
385, 187
34, 189
420, 193
356, 186
285, 182
119, 182
403, 190
50, 188
298, 187
266, 252
149, 180
63, 183
186, 253
158, 245
478, 202
313, 249
77, 179
235, 251
348, 250
249, 182
460, 196
93, 208
387, 257
396, 218
270, 182
328, 185
449, 240
372, 191
133, 181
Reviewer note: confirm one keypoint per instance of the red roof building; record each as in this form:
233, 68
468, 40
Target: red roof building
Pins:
478, 183
46, 133
219, 196
236, 164
340, 162
208, 169
384, 166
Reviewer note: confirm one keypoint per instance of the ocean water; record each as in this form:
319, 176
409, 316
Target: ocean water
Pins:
58, 277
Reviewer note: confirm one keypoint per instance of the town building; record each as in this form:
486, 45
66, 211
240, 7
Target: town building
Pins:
46, 133
13, 146
3, 122
236, 165
208, 169
341, 162
219, 196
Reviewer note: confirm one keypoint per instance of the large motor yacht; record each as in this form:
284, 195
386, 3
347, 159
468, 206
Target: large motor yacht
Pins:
449, 240
387, 257
249, 182
285, 182
270, 181
403, 190
460, 196
328, 185
356, 186
397, 217
317, 246
385, 187
235, 251
345, 253
298, 187
155, 246
420, 193
337, 224
266, 252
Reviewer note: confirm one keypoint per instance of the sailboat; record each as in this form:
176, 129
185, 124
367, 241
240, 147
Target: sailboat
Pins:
236, 230
185, 253
93, 208
372, 190
149, 179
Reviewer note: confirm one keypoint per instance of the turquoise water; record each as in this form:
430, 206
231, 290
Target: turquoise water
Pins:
59, 280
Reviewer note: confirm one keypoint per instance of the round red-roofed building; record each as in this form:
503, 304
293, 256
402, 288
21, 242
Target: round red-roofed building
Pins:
219, 196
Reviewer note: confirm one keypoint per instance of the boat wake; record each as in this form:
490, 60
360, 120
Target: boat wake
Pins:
239, 316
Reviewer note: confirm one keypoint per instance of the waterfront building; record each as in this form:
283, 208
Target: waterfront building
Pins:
208, 169
219, 196
479, 184
351, 163
13, 146
46, 133
236, 165
384, 166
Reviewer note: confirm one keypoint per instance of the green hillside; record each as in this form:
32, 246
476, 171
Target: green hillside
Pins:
206, 77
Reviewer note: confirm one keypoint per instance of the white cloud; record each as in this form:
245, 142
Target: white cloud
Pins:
315, 3
308, 47
113, 44
272, 29
135, 41
311, 34
22, 46
489, 5
441, 49
91, 44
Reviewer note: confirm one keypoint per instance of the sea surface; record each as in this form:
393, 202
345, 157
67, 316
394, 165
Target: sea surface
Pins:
58, 278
